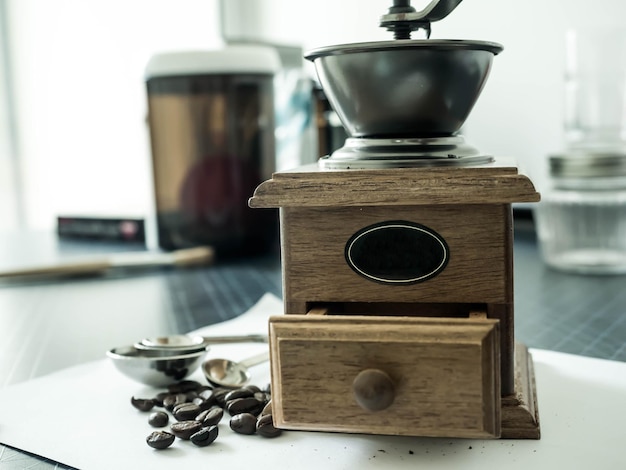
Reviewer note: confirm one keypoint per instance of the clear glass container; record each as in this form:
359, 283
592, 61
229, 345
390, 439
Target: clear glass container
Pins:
595, 89
581, 220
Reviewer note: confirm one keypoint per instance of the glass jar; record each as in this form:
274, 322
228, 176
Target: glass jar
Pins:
581, 221
595, 88
212, 135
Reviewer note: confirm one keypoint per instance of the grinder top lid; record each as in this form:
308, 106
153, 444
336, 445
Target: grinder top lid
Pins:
415, 44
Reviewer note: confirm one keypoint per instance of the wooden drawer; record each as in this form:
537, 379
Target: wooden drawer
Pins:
412, 376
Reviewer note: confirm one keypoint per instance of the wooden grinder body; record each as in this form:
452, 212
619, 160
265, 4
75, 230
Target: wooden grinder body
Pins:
407, 349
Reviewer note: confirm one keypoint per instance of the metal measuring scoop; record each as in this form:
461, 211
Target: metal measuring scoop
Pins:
231, 374
190, 343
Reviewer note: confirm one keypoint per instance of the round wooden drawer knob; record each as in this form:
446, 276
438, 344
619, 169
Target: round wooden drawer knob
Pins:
373, 390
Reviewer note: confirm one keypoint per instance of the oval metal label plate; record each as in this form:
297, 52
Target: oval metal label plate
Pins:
397, 252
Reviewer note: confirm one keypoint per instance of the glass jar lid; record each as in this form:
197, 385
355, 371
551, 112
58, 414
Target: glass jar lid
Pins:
588, 165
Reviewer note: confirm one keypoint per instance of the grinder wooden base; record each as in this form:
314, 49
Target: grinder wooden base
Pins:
520, 414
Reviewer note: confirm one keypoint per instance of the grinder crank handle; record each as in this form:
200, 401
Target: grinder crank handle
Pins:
437, 9
402, 18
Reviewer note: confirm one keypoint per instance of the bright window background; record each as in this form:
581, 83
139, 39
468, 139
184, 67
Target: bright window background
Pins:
520, 111
80, 100
8, 177
77, 75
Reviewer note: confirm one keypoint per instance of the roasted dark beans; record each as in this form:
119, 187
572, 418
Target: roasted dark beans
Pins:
142, 404
198, 409
211, 416
205, 436
184, 429
265, 427
244, 405
186, 411
158, 419
238, 393
220, 395
160, 439
170, 401
243, 423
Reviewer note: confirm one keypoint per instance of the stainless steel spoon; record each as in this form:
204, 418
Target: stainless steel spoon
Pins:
231, 374
157, 368
190, 343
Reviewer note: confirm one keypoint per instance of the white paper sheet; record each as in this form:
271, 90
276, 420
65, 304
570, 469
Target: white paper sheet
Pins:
82, 417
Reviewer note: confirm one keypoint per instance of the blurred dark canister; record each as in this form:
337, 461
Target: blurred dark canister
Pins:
211, 119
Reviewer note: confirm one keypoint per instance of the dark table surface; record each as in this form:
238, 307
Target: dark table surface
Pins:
48, 326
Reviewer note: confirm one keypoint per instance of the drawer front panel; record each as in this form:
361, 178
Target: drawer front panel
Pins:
443, 374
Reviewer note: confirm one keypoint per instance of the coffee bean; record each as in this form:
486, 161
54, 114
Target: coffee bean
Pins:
191, 395
208, 399
220, 395
211, 416
184, 429
253, 388
142, 404
200, 408
205, 436
267, 409
185, 411
265, 427
262, 397
158, 419
244, 405
171, 401
238, 393
244, 423
206, 394
202, 415
202, 403
160, 439
158, 399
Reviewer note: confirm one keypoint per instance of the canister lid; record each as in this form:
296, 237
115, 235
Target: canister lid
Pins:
240, 59
588, 165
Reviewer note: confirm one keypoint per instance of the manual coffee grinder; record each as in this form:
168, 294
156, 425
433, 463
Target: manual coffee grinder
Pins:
397, 257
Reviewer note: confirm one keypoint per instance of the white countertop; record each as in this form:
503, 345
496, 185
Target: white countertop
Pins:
82, 417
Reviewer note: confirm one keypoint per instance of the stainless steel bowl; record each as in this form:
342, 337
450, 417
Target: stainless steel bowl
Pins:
424, 88
157, 368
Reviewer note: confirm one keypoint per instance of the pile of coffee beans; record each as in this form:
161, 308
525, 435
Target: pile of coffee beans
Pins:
197, 409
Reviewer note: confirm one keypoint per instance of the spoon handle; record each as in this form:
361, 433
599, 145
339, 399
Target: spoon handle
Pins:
235, 339
254, 360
